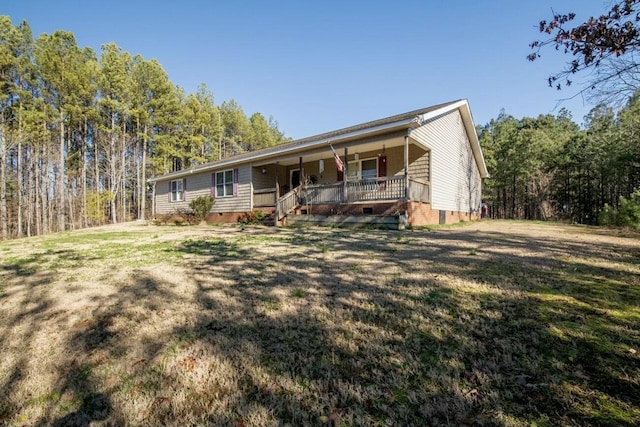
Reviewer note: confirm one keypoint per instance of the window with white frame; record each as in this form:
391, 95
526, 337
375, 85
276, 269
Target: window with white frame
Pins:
362, 169
177, 190
224, 183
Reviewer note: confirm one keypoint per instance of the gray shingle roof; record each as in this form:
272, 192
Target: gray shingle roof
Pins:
323, 136
366, 125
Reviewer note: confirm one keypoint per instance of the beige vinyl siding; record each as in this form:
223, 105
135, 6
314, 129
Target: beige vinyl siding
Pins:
418, 165
395, 160
329, 175
241, 202
265, 180
200, 185
330, 172
418, 162
455, 179
313, 169
163, 203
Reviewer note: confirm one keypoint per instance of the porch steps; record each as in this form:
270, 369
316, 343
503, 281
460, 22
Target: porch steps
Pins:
397, 222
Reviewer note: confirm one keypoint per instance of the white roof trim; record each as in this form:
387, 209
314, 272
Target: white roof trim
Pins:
435, 113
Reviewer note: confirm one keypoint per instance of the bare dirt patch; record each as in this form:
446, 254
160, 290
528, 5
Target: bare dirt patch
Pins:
493, 323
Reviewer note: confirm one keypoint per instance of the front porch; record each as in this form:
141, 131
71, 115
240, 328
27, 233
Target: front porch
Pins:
357, 197
376, 173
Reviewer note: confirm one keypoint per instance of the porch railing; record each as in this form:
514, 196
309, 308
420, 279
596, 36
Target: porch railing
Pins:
264, 197
419, 190
384, 188
288, 202
324, 193
374, 189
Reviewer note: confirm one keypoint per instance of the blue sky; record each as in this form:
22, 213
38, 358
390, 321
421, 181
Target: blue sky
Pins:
320, 66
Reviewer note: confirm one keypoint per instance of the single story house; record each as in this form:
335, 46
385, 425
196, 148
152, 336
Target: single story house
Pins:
420, 167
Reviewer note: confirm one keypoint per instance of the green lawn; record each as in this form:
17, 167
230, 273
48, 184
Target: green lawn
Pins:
489, 324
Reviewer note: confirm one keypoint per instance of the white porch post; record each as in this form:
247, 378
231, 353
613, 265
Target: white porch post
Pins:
301, 170
277, 213
406, 167
277, 182
345, 172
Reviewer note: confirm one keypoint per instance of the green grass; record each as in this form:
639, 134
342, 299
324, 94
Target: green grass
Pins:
44, 398
88, 237
55, 255
493, 324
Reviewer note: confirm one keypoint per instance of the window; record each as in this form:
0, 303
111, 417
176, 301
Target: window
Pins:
224, 183
177, 190
363, 169
369, 168
353, 170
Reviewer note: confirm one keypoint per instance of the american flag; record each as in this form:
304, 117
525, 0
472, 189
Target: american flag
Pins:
339, 163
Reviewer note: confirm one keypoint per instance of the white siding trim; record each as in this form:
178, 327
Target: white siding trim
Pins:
251, 186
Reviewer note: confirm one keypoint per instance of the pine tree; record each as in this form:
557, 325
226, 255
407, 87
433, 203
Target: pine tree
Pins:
58, 58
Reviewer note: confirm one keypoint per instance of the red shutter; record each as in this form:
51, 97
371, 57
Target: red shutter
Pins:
169, 193
340, 174
213, 185
382, 166
235, 182
382, 171
184, 189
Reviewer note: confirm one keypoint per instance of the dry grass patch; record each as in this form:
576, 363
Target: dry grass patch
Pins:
495, 323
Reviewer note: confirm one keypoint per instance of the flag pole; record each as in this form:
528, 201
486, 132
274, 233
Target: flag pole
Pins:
339, 162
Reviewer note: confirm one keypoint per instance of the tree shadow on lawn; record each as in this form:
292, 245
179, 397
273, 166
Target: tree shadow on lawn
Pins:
580, 320
72, 362
34, 307
323, 327
424, 350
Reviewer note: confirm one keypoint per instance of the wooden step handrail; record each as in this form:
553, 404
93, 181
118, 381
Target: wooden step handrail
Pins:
288, 202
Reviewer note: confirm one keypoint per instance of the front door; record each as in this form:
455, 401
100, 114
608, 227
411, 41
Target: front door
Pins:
295, 178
